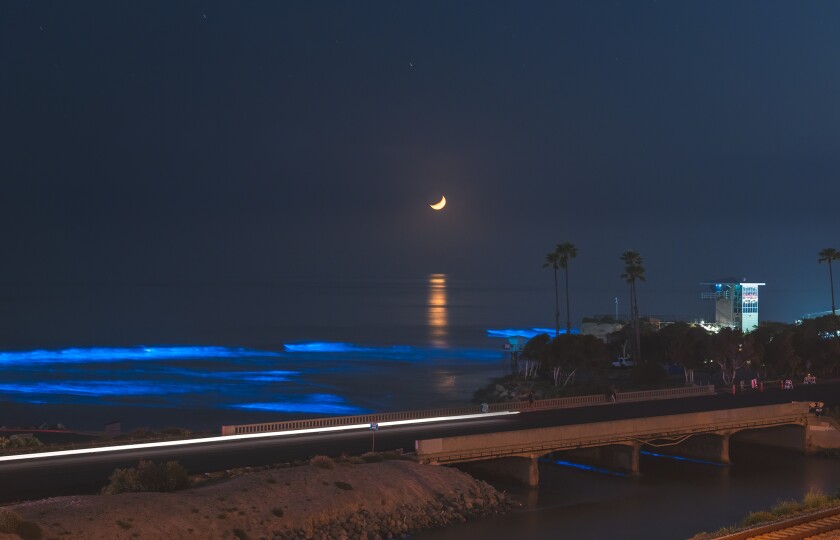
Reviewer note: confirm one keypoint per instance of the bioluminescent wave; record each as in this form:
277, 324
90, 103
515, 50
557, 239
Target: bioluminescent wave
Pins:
524, 332
262, 376
307, 378
582, 467
309, 404
98, 388
681, 458
338, 347
107, 354
404, 353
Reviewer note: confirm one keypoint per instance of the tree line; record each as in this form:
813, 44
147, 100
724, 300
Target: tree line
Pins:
772, 350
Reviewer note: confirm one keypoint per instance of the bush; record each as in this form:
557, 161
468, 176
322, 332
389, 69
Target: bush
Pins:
372, 457
324, 462
148, 476
785, 508
754, 518
9, 521
815, 500
29, 531
343, 485
23, 441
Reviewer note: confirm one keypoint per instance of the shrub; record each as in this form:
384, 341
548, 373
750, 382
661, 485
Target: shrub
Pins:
23, 441
9, 521
785, 507
148, 476
29, 531
344, 486
815, 499
123, 481
324, 462
278, 512
372, 457
754, 518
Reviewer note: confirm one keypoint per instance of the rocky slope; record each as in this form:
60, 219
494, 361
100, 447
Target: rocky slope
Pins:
349, 501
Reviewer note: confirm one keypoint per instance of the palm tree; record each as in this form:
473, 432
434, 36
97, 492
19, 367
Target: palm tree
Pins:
633, 270
828, 255
566, 251
552, 260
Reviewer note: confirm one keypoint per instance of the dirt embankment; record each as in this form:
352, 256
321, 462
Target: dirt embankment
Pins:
349, 501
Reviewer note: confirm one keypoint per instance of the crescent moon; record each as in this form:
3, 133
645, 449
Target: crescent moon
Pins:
439, 205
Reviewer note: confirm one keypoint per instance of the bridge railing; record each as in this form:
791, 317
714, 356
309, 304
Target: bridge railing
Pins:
555, 403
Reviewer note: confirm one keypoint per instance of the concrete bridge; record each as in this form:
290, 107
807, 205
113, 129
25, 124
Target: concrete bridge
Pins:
705, 435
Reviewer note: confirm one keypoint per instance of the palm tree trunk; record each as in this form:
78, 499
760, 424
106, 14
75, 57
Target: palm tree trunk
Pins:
635, 307
556, 306
568, 317
831, 279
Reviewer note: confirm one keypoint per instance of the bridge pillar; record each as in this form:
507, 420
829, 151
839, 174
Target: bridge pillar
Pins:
708, 447
621, 457
724, 449
517, 469
635, 449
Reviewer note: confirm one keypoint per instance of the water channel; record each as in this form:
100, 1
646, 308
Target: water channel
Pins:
671, 500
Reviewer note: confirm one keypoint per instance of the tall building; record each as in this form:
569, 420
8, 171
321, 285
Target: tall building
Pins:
736, 302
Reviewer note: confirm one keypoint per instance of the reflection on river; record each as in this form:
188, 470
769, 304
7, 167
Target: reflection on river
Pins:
671, 500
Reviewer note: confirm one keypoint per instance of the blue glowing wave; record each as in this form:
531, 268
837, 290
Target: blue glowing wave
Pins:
404, 353
338, 347
312, 404
680, 458
524, 332
106, 354
590, 468
257, 376
98, 388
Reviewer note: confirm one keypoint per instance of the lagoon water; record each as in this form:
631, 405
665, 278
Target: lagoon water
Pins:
203, 356
671, 500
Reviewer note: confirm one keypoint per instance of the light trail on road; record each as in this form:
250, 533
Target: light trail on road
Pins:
228, 438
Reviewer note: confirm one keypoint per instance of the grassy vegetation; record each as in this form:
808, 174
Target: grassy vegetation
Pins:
325, 462
12, 523
20, 441
812, 502
148, 476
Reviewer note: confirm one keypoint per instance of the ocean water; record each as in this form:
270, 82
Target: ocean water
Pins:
200, 356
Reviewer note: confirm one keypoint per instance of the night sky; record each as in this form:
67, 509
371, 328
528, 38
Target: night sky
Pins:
239, 142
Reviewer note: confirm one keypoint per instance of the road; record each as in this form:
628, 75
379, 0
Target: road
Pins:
86, 474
